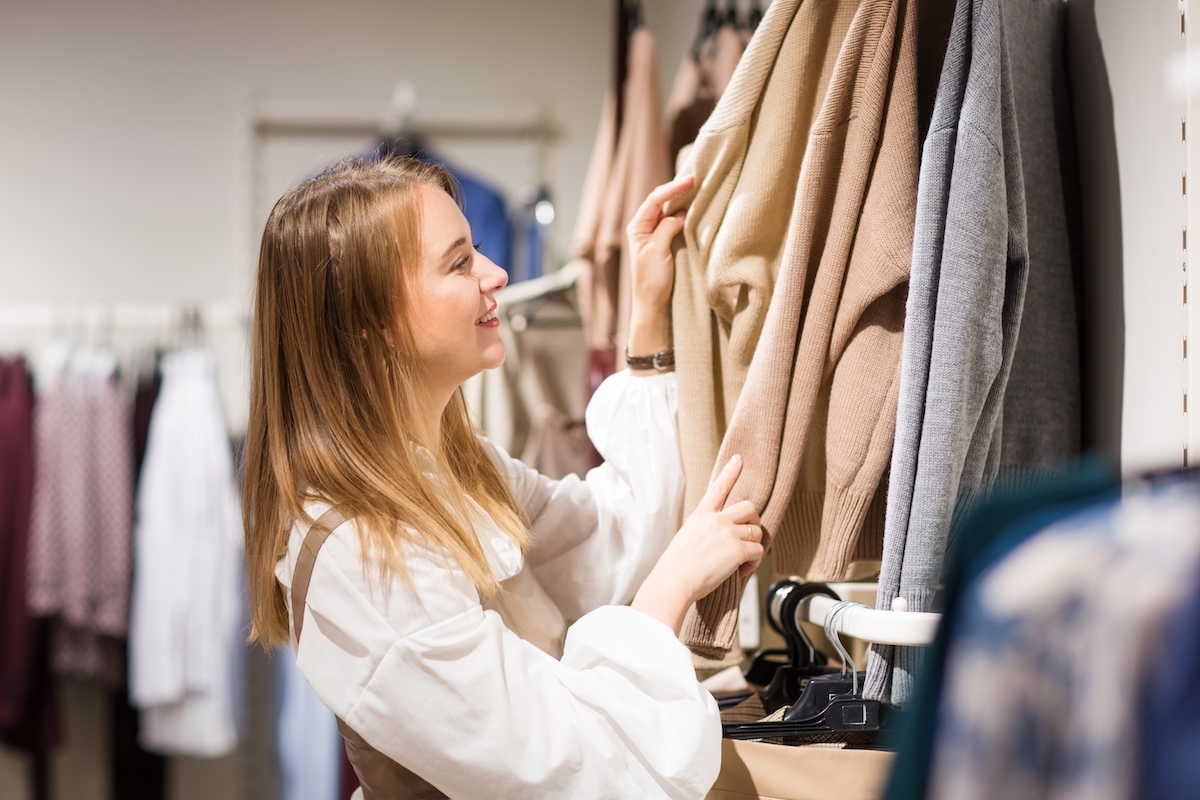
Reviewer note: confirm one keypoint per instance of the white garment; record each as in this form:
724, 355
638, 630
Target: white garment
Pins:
306, 737
185, 643
443, 683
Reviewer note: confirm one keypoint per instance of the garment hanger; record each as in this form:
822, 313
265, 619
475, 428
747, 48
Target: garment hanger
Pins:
730, 16
830, 707
805, 660
710, 22
754, 16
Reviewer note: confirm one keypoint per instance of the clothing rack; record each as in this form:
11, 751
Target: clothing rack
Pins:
402, 115
99, 322
549, 283
896, 627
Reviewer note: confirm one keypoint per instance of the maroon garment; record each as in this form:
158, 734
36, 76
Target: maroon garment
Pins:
28, 716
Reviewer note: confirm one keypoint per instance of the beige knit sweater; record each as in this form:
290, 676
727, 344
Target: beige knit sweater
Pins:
816, 416
747, 164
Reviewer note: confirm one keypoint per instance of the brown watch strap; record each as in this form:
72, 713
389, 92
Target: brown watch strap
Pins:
661, 360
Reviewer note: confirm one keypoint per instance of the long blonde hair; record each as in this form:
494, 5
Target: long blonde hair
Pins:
331, 414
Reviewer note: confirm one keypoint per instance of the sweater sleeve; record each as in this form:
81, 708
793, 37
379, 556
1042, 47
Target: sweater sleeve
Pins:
435, 682
596, 539
859, 432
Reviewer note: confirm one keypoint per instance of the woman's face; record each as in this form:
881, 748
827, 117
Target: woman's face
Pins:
451, 313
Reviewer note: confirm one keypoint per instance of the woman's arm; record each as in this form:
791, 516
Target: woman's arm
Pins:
650, 234
435, 682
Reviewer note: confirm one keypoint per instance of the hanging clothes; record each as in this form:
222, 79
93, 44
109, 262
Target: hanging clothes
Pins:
814, 421
995, 520
616, 185
81, 528
1169, 727
185, 640
699, 83
1060, 630
28, 713
1042, 400
747, 166
136, 774
978, 247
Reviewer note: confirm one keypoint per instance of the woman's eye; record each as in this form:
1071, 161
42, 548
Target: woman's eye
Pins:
462, 263
477, 245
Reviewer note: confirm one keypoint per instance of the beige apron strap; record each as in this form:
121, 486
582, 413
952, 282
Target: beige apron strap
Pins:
302, 575
381, 778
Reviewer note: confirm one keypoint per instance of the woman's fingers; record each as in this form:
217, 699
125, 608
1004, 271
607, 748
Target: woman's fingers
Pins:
668, 228
646, 219
718, 490
742, 513
753, 553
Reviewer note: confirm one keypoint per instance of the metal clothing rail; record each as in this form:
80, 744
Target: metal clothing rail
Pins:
473, 121
74, 318
906, 628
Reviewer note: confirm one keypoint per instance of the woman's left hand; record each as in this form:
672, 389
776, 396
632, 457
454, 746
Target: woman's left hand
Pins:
650, 234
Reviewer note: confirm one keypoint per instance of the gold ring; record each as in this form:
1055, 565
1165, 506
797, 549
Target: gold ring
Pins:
749, 532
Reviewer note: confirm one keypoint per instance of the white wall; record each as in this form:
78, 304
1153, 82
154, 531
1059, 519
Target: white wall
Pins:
1131, 164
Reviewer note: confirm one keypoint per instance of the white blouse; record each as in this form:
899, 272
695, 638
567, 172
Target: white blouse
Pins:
499, 699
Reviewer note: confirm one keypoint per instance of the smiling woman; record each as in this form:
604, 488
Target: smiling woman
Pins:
432, 574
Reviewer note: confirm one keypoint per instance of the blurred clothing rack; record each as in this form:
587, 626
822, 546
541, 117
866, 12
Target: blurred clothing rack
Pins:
98, 320
479, 121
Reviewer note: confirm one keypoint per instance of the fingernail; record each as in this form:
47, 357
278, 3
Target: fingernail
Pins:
735, 459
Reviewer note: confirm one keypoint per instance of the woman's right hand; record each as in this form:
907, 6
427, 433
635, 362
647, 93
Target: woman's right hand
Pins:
713, 543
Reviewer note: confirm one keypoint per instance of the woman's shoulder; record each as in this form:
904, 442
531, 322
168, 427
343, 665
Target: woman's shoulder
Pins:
429, 588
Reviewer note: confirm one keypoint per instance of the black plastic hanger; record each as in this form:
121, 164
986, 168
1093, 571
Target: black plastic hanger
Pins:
754, 16
710, 21
805, 661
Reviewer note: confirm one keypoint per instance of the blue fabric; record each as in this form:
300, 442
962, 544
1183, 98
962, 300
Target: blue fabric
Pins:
307, 740
529, 244
1170, 725
484, 210
483, 205
998, 522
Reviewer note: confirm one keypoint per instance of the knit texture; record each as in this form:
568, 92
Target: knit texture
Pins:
625, 166
747, 161
817, 411
1042, 400
970, 263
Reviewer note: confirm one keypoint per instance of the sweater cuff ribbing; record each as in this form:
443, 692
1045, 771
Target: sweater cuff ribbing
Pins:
823, 533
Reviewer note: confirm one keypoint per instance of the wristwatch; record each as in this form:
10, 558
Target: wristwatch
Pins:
662, 360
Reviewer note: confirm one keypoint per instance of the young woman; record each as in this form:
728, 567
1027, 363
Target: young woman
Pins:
433, 616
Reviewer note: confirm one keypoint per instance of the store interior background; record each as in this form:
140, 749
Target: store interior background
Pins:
125, 160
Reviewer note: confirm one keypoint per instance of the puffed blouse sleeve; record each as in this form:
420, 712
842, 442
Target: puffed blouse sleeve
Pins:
596, 539
431, 679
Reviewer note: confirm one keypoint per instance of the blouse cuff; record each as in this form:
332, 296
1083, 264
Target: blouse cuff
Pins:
625, 403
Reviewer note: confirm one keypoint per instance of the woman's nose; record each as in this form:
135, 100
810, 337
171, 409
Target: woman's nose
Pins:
492, 277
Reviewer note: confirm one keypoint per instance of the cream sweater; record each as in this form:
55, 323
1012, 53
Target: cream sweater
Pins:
816, 418
747, 165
